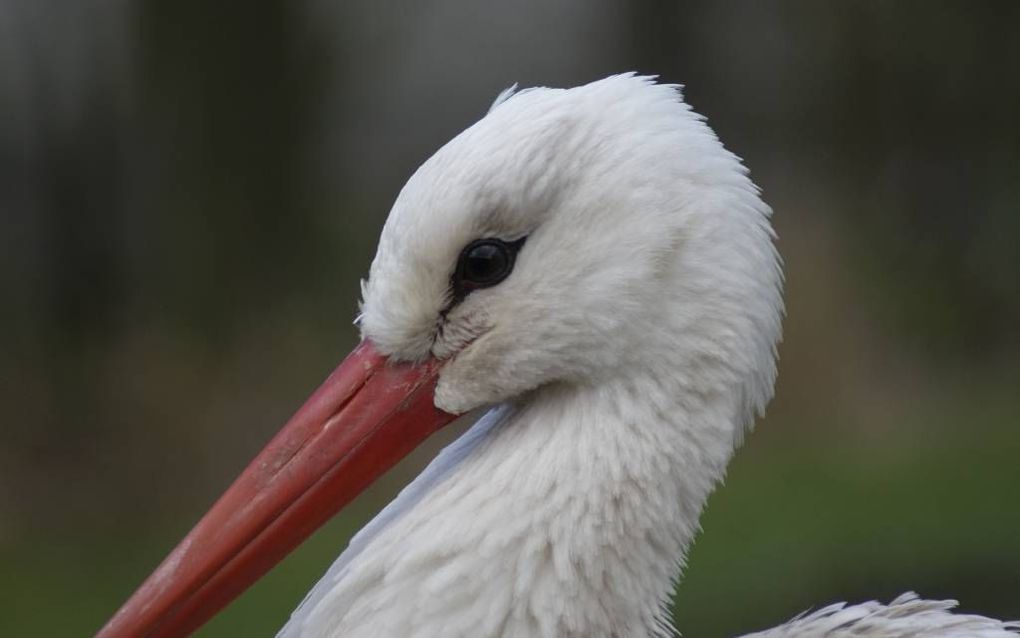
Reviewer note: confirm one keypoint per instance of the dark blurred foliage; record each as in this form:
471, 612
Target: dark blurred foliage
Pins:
190, 191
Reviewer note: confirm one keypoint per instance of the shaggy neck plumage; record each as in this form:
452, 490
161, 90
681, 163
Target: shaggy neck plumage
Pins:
569, 516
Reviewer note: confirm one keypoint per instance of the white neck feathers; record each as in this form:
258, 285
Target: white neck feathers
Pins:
568, 515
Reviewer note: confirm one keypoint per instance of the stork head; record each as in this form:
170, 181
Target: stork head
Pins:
574, 235
568, 237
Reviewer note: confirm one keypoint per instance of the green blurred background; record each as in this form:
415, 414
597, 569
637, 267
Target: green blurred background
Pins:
190, 192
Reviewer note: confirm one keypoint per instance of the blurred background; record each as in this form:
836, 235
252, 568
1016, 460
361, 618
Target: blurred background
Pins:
190, 192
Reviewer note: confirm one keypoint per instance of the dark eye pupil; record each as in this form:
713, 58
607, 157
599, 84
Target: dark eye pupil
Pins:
485, 262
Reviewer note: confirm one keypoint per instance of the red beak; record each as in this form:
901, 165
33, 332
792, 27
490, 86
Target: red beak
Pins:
364, 418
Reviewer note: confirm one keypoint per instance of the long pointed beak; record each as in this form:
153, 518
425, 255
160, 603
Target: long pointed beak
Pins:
363, 419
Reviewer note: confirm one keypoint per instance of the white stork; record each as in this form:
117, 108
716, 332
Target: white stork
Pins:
593, 268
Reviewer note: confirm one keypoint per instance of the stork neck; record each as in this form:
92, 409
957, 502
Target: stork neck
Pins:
599, 491
567, 514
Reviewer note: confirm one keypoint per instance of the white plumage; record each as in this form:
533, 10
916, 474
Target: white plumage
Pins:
906, 617
626, 355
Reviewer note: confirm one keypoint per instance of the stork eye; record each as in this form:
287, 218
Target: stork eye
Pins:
484, 263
